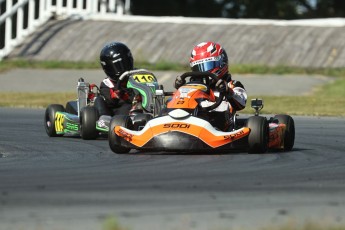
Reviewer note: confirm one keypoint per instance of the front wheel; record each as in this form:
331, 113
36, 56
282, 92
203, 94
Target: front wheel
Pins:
289, 134
88, 119
49, 119
258, 136
113, 138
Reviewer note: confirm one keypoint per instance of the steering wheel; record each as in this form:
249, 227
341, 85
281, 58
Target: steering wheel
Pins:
122, 78
208, 76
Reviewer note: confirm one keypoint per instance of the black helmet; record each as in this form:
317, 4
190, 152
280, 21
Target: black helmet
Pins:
116, 59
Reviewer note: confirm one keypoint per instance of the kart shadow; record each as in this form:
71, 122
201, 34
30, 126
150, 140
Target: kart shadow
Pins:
185, 153
224, 152
99, 138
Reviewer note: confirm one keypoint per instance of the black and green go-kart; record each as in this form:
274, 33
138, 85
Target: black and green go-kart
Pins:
81, 117
78, 118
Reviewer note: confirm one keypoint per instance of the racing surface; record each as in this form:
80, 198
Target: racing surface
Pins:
69, 183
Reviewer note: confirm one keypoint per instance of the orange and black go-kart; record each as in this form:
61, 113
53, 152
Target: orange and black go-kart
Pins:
184, 125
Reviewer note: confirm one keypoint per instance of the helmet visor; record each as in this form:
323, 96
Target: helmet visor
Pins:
205, 64
118, 67
113, 70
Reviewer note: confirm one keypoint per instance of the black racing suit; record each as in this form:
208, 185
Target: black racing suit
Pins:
112, 100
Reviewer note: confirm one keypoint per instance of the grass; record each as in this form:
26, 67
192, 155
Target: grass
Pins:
36, 100
328, 100
259, 69
10, 64
306, 226
111, 223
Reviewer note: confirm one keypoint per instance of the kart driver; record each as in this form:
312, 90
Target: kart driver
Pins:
115, 58
211, 57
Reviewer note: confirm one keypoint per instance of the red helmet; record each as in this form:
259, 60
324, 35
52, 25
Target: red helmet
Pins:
211, 57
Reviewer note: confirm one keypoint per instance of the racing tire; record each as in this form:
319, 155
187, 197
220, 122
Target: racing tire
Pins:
49, 119
258, 136
88, 119
289, 134
113, 138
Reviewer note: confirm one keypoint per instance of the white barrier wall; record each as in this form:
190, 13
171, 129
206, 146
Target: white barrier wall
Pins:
20, 18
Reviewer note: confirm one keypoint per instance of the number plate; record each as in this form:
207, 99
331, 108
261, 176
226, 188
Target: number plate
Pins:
144, 78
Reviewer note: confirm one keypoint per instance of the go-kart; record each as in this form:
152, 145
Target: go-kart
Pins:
78, 118
81, 117
183, 126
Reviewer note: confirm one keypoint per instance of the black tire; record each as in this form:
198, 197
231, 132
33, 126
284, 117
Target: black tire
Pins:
49, 119
258, 137
114, 140
88, 118
289, 135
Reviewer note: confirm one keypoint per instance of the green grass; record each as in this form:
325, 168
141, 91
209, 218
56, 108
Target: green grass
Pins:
259, 69
306, 226
11, 64
111, 223
328, 100
34, 100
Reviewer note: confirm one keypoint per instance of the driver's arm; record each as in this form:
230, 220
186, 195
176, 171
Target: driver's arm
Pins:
110, 94
237, 95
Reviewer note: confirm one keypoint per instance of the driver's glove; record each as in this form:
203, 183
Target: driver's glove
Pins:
222, 86
179, 82
114, 94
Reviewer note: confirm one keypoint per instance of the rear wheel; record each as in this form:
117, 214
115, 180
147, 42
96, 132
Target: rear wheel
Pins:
258, 136
49, 119
88, 118
113, 138
289, 135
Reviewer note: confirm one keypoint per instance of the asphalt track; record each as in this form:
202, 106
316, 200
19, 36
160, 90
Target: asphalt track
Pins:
69, 183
